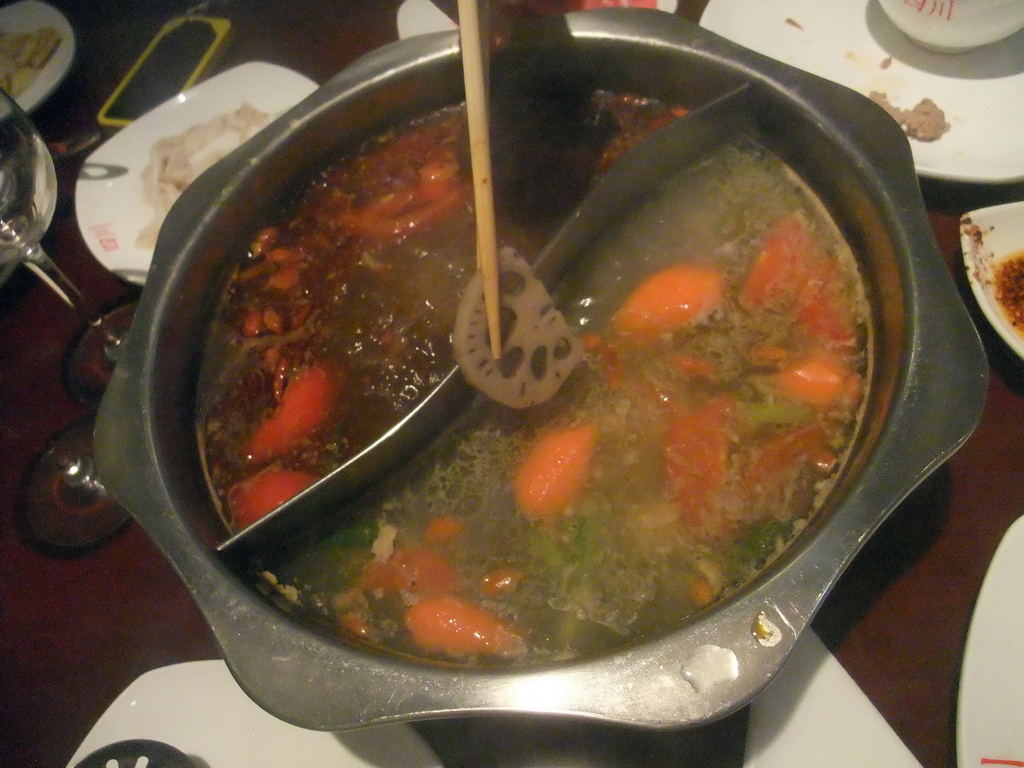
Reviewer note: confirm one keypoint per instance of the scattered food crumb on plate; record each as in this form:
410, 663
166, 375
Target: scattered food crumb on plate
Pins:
854, 44
924, 121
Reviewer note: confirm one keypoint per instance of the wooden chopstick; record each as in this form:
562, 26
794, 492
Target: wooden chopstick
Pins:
475, 50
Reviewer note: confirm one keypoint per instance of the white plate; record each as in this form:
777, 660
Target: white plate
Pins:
853, 43
30, 15
109, 199
987, 237
198, 708
990, 710
813, 715
417, 17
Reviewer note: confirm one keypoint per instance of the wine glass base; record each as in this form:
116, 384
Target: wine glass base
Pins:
89, 361
63, 505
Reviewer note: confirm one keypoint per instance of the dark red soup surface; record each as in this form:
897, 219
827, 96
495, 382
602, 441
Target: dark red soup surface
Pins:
338, 320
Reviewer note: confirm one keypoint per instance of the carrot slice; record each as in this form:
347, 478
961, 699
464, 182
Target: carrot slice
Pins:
459, 628
669, 300
416, 570
607, 359
820, 381
437, 178
824, 312
696, 457
793, 273
555, 471
252, 498
305, 404
442, 529
694, 366
779, 272
399, 212
430, 210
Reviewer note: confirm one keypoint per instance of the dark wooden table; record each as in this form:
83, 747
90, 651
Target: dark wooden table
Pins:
75, 631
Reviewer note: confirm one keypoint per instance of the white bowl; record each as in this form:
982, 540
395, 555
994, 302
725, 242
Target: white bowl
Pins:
948, 27
988, 237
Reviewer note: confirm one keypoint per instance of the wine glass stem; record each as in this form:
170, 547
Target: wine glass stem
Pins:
46, 268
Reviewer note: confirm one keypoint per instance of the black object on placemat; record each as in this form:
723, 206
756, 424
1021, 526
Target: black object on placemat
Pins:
127, 754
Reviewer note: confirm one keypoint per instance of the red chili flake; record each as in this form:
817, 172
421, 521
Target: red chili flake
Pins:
1010, 289
252, 325
264, 240
284, 256
301, 314
286, 278
272, 320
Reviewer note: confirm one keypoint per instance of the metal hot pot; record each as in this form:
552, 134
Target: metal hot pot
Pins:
926, 392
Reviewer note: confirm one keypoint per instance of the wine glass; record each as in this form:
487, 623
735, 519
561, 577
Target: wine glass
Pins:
63, 504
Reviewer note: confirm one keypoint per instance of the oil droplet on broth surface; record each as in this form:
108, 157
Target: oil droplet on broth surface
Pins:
710, 665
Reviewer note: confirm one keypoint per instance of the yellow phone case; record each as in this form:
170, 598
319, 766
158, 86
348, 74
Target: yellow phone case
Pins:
221, 29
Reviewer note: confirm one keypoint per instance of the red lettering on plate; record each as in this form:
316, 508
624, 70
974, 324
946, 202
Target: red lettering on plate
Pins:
105, 234
997, 761
942, 8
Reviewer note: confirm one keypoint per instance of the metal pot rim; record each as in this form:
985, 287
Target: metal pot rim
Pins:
934, 403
